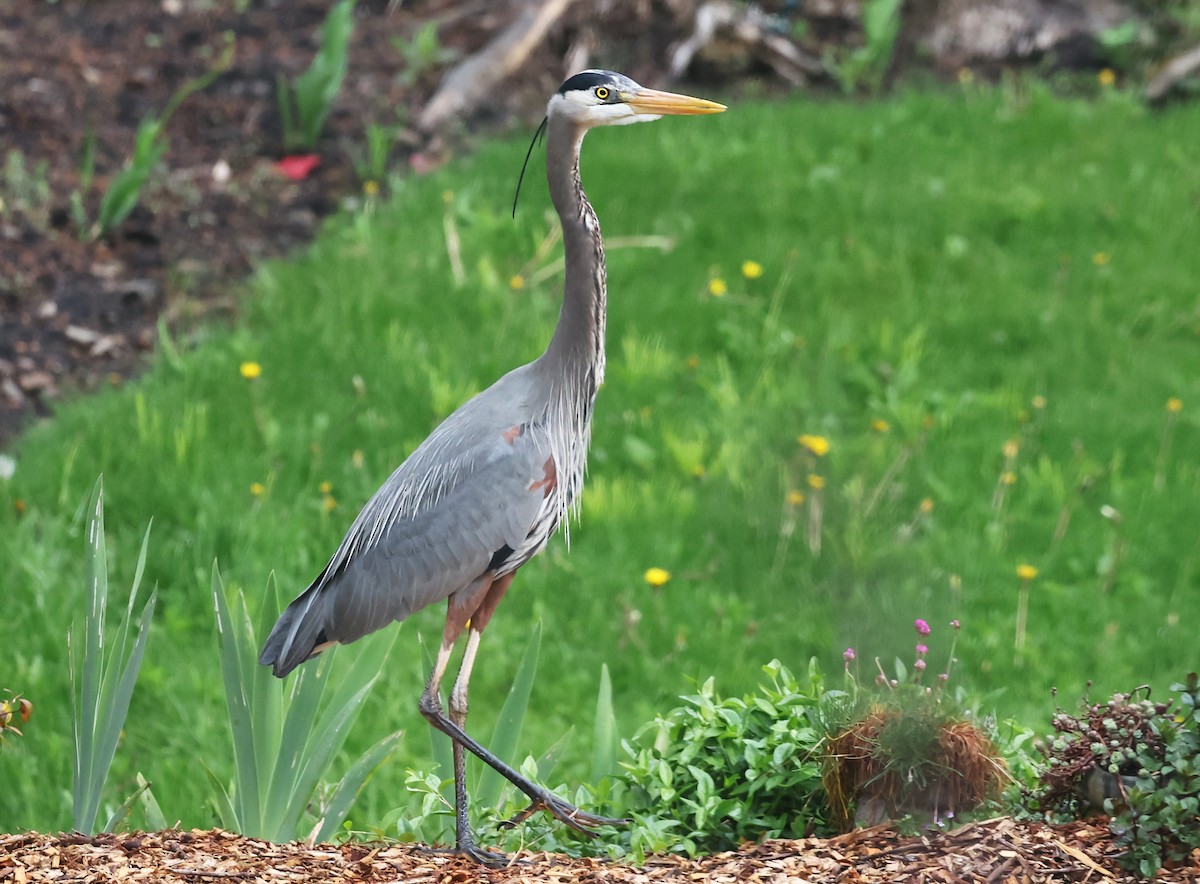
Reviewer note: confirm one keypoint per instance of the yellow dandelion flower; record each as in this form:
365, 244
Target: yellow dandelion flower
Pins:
795, 497
1101, 259
926, 506
371, 188
1174, 405
325, 487
657, 577
257, 489
1011, 447
251, 370
1039, 402
966, 76
752, 269
816, 482
329, 503
879, 425
818, 445
516, 282
1026, 572
1008, 477
1107, 77
357, 459
717, 287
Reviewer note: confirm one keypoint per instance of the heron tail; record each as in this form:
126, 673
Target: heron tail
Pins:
299, 634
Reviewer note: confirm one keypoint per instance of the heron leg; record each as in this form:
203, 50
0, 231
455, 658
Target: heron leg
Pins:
540, 797
458, 614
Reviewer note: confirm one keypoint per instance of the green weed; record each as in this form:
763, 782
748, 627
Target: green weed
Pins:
305, 106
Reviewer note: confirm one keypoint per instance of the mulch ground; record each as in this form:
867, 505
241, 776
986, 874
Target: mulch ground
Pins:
999, 850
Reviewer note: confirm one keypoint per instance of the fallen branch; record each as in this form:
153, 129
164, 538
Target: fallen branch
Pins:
1172, 73
475, 79
751, 26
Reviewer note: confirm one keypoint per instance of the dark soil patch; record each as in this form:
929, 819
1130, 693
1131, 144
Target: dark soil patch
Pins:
77, 313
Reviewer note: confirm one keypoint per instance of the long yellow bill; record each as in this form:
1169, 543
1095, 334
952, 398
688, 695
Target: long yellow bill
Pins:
651, 101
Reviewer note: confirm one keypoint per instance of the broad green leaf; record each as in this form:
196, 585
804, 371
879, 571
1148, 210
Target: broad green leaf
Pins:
508, 725
604, 736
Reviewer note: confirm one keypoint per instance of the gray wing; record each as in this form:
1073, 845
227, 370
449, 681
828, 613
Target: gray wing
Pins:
465, 499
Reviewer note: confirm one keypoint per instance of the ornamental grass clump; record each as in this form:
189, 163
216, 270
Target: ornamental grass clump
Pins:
906, 748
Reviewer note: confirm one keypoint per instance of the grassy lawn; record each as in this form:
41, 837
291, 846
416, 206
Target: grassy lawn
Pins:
983, 301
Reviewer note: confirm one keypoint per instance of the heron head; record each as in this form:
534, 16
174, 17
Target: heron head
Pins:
606, 98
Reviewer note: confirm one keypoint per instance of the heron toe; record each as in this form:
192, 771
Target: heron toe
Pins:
564, 812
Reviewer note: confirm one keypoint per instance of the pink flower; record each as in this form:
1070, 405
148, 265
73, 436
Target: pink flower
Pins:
922, 627
955, 624
848, 654
944, 677
922, 650
297, 168
919, 665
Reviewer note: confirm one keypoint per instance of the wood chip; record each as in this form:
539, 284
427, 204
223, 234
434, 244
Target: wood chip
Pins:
999, 850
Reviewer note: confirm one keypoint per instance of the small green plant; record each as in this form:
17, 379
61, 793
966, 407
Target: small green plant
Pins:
373, 167
149, 147
103, 676
716, 772
285, 736
1139, 762
868, 64
304, 107
422, 52
907, 747
24, 189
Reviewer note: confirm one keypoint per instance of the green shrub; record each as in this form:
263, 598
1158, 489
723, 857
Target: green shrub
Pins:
730, 770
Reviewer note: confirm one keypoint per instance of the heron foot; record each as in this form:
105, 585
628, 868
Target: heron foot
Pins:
476, 854
565, 812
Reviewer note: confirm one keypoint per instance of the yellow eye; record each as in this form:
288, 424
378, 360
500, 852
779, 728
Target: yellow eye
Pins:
602, 92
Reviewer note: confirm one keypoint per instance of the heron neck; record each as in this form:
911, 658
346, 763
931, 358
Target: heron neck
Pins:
578, 340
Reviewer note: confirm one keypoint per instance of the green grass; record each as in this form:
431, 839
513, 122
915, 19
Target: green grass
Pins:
932, 261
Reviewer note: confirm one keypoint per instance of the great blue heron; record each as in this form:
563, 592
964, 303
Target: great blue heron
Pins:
485, 491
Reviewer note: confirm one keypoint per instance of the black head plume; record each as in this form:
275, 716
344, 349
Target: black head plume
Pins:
541, 130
